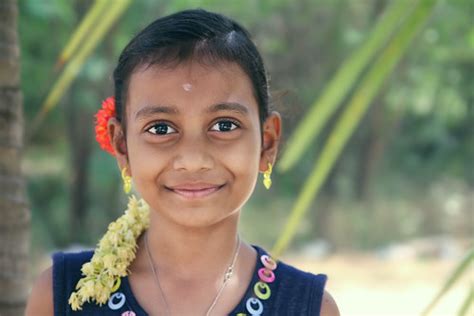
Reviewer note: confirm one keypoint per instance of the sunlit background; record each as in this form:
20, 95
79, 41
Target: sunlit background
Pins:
393, 215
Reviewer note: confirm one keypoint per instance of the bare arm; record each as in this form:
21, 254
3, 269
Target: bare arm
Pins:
40, 301
329, 306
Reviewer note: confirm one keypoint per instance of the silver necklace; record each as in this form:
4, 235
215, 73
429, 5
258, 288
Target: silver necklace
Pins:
227, 275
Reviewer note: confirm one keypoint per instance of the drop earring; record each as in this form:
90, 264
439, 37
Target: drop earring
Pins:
267, 181
127, 181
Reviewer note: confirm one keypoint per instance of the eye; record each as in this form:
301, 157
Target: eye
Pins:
226, 125
159, 129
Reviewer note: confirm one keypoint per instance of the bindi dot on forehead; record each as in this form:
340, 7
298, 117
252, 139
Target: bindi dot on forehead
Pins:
187, 87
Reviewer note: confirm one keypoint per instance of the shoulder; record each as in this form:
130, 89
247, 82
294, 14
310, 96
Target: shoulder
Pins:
51, 287
328, 305
63, 258
68, 263
67, 267
40, 301
299, 278
321, 300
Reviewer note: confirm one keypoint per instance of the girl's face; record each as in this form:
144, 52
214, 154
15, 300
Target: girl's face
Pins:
193, 127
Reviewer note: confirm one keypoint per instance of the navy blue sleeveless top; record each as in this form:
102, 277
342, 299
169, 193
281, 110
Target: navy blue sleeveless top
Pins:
284, 290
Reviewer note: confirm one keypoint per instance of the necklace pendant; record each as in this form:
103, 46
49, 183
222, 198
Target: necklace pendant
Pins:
228, 274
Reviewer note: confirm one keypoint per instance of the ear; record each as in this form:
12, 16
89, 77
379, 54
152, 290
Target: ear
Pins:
271, 140
119, 143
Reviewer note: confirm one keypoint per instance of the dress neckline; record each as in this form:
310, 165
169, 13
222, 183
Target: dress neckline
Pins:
239, 307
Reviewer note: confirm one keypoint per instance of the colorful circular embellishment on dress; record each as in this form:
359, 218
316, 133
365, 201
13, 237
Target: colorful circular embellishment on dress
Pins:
128, 313
262, 290
250, 306
116, 285
266, 275
268, 262
116, 305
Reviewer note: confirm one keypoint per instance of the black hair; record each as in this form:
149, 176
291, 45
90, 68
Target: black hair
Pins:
192, 34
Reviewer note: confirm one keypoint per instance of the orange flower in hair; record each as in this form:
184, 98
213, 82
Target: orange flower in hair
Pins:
102, 117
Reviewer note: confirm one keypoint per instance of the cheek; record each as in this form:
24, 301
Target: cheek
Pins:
244, 158
244, 163
145, 162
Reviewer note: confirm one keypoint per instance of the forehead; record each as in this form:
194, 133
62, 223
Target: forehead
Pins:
190, 88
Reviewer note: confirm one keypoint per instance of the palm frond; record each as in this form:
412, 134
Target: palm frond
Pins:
356, 107
467, 302
87, 23
324, 107
114, 11
451, 280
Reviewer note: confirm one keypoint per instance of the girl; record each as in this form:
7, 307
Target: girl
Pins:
190, 124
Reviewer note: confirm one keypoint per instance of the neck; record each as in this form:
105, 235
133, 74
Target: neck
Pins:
190, 253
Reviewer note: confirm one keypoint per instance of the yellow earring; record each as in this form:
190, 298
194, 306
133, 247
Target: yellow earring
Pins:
266, 177
127, 181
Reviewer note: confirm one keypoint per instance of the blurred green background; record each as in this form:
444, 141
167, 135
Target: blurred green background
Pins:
402, 187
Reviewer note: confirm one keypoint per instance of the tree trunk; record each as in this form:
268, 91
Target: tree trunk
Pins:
371, 149
79, 137
14, 211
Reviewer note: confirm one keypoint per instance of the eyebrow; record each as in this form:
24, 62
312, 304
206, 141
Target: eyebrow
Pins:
166, 109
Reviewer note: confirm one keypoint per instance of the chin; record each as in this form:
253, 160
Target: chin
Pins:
193, 213
193, 216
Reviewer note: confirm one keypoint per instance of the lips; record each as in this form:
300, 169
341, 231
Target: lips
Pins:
195, 190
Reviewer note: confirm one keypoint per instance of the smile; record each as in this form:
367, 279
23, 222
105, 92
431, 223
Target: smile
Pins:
195, 194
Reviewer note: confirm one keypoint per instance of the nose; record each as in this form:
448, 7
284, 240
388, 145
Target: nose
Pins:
193, 155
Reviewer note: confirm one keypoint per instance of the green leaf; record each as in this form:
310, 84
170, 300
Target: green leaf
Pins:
71, 70
323, 108
357, 106
85, 27
453, 277
467, 303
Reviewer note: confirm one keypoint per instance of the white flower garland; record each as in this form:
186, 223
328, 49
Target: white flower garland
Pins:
112, 257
